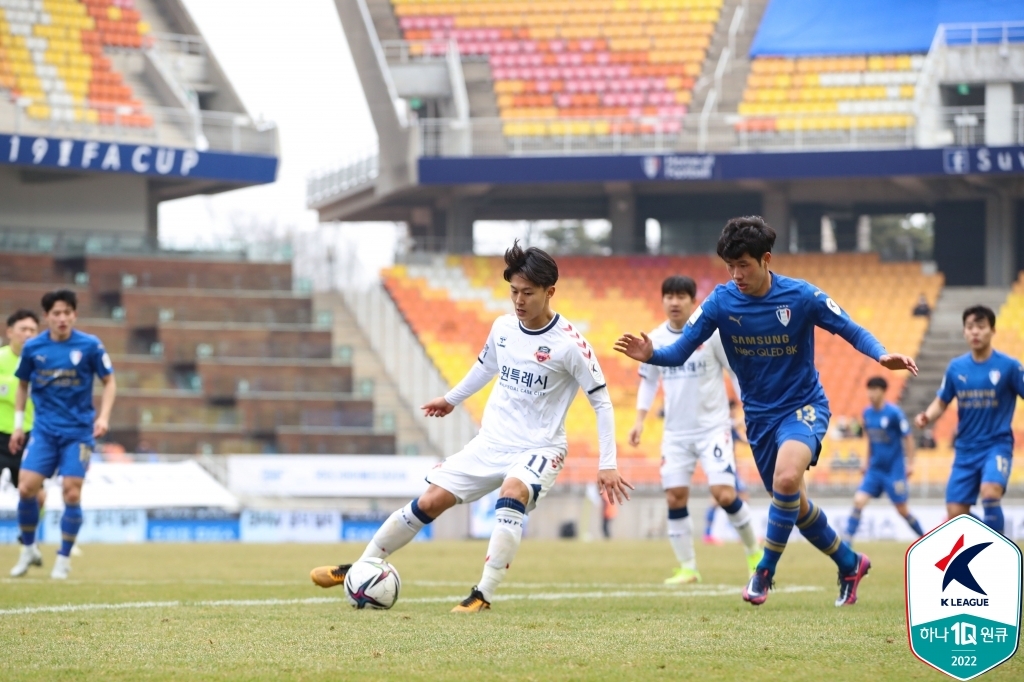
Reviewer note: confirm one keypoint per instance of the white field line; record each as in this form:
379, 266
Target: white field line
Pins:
550, 596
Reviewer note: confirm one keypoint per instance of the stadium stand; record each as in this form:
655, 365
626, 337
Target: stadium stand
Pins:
52, 59
830, 93
212, 356
598, 67
451, 304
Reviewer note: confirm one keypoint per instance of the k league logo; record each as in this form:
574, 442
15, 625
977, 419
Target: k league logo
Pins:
963, 588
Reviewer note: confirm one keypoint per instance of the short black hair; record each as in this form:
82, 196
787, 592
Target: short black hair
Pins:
66, 295
21, 314
978, 312
679, 284
749, 235
878, 382
534, 264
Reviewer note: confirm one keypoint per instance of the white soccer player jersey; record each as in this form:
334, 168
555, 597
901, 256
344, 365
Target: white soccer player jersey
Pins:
539, 374
696, 401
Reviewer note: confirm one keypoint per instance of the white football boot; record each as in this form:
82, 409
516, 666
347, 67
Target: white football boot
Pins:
30, 556
61, 568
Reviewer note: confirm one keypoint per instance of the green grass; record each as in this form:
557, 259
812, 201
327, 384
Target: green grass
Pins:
592, 633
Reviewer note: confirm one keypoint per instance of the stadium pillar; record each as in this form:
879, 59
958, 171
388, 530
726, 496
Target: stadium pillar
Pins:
459, 227
152, 217
776, 211
627, 236
1000, 237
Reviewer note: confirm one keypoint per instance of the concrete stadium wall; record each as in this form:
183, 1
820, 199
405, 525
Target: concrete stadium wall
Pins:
92, 203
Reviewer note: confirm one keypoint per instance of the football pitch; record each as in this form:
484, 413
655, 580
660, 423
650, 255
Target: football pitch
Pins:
568, 610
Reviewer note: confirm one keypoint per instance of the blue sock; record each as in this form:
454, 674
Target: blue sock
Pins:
814, 526
28, 519
781, 516
70, 522
914, 524
993, 514
709, 519
853, 523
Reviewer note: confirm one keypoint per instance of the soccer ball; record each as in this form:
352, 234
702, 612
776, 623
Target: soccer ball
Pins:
372, 583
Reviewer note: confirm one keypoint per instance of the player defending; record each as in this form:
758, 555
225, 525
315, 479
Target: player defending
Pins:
59, 365
767, 325
542, 361
986, 384
22, 325
697, 427
890, 458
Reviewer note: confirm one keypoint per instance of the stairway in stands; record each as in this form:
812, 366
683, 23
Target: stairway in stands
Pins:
943, 342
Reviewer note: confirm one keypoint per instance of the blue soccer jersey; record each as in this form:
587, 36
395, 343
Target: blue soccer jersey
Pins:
60, 374
986, 394
885, 428
769, 341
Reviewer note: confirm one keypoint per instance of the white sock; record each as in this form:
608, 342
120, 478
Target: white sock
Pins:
742, 521
508, 533
397, 532
680, 536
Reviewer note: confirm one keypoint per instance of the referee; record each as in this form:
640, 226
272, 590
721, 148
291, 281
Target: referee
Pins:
22, 325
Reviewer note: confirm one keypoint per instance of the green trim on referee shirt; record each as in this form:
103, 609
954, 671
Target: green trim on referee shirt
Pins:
8, 389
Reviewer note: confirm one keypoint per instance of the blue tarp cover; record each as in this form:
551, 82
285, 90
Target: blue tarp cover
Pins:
826, 27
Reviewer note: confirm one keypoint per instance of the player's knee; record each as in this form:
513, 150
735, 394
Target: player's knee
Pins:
516, 489
435, 501
28, 487
723, 494
72, 495
991, 491
677, 497
787, 482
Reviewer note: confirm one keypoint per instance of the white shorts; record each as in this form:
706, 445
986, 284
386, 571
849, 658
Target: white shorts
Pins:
479, 469
715, 451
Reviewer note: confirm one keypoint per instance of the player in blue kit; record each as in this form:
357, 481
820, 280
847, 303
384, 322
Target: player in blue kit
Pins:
890, 458
767, 326
58, 366
986, 384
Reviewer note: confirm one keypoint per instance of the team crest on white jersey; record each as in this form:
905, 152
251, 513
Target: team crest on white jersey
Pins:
993, 376
76, 357
785, 315
543, 354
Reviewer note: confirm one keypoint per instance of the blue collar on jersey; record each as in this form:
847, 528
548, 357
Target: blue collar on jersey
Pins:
535, 332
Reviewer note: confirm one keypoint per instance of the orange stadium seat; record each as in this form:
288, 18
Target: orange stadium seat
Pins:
592, 61
51, 54
451, 307
830, 93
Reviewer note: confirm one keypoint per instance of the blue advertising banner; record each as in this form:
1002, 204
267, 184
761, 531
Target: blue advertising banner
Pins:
736, 166
93, 156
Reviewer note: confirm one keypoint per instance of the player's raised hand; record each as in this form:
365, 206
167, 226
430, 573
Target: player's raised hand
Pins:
100, 428
438, 407
640, 348
897, 361
17, 440
615, 488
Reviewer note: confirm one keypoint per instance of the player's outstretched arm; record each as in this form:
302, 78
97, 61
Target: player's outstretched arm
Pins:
644, 399
438, 407
895, 361
830, 317
639, 348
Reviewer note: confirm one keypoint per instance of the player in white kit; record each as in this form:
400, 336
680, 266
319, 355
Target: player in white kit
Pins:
698, 427
541, 361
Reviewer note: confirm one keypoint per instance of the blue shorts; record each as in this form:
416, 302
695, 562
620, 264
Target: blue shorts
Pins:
971, 469
807, 425
893, 483
47, 454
